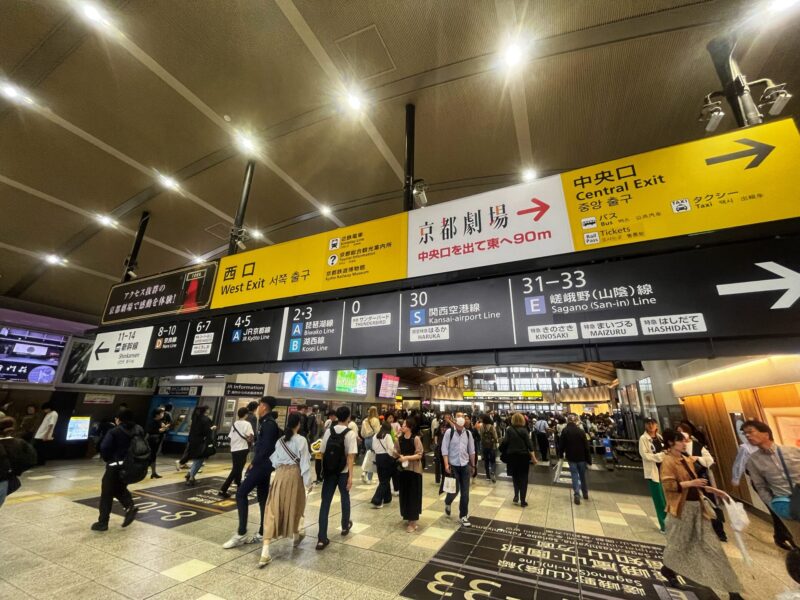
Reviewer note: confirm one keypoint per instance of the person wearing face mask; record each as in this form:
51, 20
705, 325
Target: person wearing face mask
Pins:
458, 456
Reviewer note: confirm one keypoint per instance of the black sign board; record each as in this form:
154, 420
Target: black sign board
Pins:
166, 345
244, 390
180, 390
496, 559
313, 331
251, 337
203, 341
182, 291
371, 325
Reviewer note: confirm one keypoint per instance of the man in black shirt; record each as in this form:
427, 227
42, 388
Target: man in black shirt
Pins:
574, 445
114, 449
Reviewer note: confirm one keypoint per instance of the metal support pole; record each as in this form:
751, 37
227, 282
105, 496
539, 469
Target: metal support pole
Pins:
237, 231
734, 84
408, 187
131, 263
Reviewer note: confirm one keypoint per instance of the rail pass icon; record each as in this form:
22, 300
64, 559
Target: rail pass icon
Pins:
334, 243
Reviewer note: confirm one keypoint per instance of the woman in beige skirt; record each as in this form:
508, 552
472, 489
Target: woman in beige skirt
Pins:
693, 549
287, 495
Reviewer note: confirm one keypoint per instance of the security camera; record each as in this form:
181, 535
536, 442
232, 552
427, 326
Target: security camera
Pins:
418, 191
712, 114
240, 245
776, 97
132, 274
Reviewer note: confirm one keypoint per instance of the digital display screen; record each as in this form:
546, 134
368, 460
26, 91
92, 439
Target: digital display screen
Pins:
307, 380
78, 429
29, 356
387, 385
352, 382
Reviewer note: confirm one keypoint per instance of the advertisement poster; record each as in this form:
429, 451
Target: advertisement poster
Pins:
352, 382
307, 380
28, 355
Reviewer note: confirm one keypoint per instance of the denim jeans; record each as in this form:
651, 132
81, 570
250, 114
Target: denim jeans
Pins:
3, 491
329, 485
578, 473
197, 464
462, 477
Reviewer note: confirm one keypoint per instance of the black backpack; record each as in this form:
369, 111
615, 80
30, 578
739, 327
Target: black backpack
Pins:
334, 460
137, 460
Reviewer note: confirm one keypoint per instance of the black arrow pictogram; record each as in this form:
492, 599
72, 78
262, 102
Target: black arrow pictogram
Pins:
758, 150
100, 350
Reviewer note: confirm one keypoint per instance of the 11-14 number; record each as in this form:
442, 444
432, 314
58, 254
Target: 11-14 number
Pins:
568, 280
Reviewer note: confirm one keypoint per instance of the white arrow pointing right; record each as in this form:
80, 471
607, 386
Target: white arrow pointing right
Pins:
789, 281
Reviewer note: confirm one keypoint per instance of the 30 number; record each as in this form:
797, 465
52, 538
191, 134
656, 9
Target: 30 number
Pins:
419, 299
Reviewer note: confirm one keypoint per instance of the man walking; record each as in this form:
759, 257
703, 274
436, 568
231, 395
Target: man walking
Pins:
258, 473
114, 449
458, 456
574, 445
339, 447
540, 431
43, 439
651, 450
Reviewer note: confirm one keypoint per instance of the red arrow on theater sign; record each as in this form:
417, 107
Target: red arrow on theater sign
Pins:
539, 209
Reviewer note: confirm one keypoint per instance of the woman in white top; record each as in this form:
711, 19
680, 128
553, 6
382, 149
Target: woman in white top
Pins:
241, 436
385, 454
369, 429
287, 494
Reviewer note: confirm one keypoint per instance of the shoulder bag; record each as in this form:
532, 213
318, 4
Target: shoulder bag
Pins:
239, 433
787, 507
288, 451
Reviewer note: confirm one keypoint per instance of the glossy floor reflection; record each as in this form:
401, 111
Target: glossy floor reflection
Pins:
48, 551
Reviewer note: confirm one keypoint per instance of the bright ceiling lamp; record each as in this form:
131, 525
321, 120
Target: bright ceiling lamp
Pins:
93, 14
512, 55
106, 221
325, 210
528, 175
168, 182
776, 6
14, 93
246, 143
54, 259
197, 260
256, 234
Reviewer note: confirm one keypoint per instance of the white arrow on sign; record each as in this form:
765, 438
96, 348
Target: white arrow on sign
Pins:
789, 281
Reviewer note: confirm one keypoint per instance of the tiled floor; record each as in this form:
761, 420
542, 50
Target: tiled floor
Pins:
48, 551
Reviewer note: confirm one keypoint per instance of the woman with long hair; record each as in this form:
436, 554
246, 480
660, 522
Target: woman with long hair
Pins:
369, 429
283, 516
384, 449
518, 448
692, 548
409, 449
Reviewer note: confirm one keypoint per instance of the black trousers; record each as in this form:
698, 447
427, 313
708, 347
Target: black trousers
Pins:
42, 451
112, 487
154, 441
255, 479
386, 468
238, 458
518, 467
544, 444
318, 469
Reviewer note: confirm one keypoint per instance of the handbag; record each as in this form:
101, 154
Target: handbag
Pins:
787, 507
708, 507
288, 451
368, 466
737, 515
449, 486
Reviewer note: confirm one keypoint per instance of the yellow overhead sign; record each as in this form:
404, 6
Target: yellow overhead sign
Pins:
738, 178
370, 252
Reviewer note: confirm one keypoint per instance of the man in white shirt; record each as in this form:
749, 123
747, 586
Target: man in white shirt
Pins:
241, 436
338, 451
43, 438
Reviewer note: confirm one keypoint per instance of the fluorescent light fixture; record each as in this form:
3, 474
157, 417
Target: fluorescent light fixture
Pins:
93, 14
246, 144
776, 6
528, 175
54, 259
106, 221
168, 182
513, 54
187, 377
325, 210
256, 234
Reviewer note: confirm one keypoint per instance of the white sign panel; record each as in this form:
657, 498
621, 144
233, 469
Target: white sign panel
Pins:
515, 223
125, 349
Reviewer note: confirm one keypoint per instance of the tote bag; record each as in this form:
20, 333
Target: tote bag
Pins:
449, 485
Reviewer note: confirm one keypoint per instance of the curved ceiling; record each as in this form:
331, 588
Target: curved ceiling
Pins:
102, 105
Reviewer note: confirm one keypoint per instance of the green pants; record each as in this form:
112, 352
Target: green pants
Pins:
657, 493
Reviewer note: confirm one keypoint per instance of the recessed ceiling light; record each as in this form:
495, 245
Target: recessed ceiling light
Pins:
94, 14
246, 143
197, 260
776, 6
528, 175
106, 221
256, 234
226, 118
513, 54
54, 259
10, 91
325, 210
168, 182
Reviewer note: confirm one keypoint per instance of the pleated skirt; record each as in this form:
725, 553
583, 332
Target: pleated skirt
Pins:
286, 504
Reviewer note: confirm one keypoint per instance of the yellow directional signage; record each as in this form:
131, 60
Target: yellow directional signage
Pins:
738, 178
370, 252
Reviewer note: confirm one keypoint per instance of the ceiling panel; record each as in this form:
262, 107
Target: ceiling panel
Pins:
69, 289
34, 224
43, 156
241, 57
23, 25
102, 89
13, 267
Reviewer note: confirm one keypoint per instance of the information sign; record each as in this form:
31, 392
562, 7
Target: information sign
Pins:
734, 179
252, 337
313, 331
203, 341
370, 252
124, 349
167, 344
181, 291
514, 223
244, 390
371, 325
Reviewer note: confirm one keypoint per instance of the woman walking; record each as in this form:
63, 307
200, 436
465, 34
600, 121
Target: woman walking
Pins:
287, 494
155, 435
241, 437
384, 449
409, 448
489, 445
692, 548
369, 429
518, 448
200, 438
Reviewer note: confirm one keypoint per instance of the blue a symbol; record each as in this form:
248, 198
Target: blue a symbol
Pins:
236, 335
297, 329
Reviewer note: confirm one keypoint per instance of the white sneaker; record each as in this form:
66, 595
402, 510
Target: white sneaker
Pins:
465, 522
377, 506
256, 538
236, 540
177, 465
